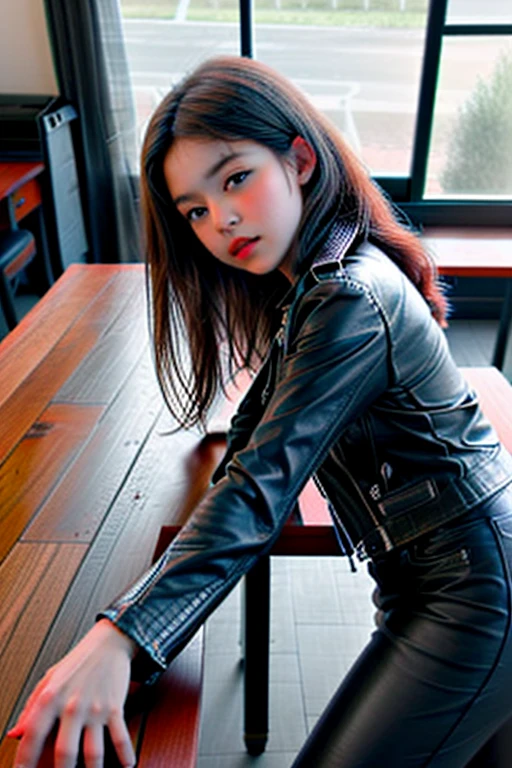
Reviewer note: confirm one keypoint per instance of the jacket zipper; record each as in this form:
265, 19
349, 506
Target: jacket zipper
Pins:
279, 342
360, 548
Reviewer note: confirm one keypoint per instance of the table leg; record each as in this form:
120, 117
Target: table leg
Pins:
257, 642
503, 329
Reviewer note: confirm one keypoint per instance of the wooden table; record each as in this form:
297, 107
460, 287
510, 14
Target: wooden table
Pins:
88, 470
477, 252
20, 196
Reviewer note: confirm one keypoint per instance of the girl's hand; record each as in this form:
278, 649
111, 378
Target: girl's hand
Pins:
86, 691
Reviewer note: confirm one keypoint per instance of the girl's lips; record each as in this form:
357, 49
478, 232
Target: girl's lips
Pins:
244, 248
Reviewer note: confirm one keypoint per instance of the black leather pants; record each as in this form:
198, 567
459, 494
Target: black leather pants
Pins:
433, 687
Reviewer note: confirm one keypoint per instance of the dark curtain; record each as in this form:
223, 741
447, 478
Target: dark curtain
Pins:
92, 71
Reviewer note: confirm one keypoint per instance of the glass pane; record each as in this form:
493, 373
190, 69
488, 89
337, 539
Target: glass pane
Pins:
162, 46
479, 11
359, 61
471, 148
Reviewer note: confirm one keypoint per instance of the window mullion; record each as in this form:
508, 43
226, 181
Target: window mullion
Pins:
246, 29
425, 116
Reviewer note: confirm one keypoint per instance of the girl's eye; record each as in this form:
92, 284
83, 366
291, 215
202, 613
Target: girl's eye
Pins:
195, 213
237, 178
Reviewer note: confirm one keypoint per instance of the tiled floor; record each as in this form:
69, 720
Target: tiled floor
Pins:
321, 618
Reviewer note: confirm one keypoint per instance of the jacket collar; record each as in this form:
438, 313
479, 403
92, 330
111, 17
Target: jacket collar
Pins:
341, 236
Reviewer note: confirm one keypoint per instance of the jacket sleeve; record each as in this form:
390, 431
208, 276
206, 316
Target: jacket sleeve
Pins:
246, 417
337, 363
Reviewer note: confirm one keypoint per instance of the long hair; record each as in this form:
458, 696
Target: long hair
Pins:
210, 319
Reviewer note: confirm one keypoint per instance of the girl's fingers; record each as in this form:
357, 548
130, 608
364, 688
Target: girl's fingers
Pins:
67, 744
122, 741
19, 726
34, 736
93, 746
89, 682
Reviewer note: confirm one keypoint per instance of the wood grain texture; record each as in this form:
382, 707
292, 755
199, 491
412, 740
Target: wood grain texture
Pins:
37, 333
50, 445
79, 503
33, 581
116, 477
154, 494
33, 393
101, 374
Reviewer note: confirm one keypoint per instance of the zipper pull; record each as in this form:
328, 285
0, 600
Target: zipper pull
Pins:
386, 471
280, 335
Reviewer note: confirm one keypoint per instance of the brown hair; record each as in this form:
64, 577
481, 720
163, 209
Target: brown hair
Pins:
226, 315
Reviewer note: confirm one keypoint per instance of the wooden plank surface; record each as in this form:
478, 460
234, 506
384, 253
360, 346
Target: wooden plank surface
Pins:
50, 445
43, 442
154, 494
33, 581
7, 752
470, 251
26, 346
92, 483
32, 394
101, 374
92, 467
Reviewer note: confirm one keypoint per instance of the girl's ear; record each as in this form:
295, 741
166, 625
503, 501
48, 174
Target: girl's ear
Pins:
303, 158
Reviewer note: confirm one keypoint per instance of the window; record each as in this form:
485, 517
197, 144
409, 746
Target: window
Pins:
366, 79
422, 92
471, 150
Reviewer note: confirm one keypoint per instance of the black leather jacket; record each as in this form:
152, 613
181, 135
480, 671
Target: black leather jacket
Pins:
358, 389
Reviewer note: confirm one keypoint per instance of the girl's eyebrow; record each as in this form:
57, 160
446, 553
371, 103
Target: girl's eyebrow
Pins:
221, 163
216, 167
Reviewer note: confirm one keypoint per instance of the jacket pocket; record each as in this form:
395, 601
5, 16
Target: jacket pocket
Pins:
406, 499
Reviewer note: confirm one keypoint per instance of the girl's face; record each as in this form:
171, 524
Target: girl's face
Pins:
243, 202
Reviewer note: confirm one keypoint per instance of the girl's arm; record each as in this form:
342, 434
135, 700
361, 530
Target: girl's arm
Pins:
337, 363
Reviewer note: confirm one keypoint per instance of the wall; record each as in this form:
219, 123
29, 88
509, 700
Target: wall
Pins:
25, 57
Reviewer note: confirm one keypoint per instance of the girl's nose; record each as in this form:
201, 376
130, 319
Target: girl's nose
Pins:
225, 220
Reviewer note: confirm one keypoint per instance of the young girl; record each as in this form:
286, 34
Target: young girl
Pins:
270, 248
